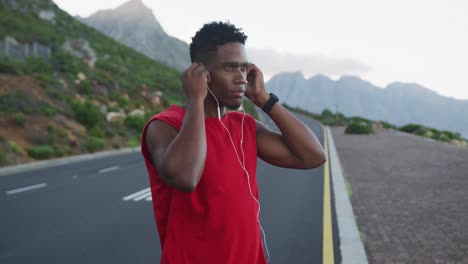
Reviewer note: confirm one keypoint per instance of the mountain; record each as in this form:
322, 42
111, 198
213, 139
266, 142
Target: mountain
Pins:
135, 25
68, 89
398, 103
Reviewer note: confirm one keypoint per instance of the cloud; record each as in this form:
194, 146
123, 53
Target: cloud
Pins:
272, 62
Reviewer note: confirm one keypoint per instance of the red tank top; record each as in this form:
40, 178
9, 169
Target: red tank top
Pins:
216, 223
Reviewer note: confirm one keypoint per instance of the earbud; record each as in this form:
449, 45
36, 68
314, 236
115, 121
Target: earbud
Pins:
217, 103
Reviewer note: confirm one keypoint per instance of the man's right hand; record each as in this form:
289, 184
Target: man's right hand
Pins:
195, 81
179, 156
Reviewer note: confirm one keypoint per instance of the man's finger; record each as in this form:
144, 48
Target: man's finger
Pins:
191, 68
252, 67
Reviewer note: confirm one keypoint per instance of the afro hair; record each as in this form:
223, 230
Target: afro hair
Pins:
210, 36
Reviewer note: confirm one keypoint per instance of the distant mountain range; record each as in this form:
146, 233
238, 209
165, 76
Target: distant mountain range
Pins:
135, 25
398, 103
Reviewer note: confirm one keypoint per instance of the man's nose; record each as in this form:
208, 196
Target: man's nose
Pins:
241, 78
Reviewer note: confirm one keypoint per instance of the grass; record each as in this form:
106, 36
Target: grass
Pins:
348, 187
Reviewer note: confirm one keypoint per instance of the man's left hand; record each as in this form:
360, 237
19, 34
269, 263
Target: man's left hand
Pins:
256, 86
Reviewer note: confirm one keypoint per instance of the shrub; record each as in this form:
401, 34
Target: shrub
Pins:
84, 87
328, 121
97, 132
410, 128
66, 63
388, 125
87, 114
37, 65
46, 79
358, 128
41, 152
59, 151
62, 133
2, 156
327, 113
451, 135
422, 131
174, 101
14, 147
54, 93
434, 133
133, 143
123, 101
19, 119
110, 131
11, 67
135, 122
48, 111
122, 132
94, 144
444, 137
113, 109
16, 102
358, 119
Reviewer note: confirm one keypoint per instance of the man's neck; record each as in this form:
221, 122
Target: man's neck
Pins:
211, 109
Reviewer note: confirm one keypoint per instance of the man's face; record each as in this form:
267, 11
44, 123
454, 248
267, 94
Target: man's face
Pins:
228, 70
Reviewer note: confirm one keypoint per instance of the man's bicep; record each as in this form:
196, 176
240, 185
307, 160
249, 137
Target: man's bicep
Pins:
272, 149
159, 136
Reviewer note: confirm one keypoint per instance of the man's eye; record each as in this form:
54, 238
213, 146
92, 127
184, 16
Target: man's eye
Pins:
244, 67
228, 67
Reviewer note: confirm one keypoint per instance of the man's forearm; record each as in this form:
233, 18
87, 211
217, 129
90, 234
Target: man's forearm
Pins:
299, 139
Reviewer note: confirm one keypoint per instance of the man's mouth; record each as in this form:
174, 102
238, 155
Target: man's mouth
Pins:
238, 93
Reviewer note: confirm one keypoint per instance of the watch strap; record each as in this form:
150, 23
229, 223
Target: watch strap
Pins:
270, 103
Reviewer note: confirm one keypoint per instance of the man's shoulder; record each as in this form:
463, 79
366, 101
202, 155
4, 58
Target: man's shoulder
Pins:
172, 109
173, 116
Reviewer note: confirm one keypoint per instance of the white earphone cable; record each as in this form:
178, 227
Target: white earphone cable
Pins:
242, 164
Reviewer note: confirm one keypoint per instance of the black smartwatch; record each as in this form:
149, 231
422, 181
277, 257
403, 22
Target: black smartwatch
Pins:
270, 103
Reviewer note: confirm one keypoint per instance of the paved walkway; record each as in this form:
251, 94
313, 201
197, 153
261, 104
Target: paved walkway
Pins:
409, 194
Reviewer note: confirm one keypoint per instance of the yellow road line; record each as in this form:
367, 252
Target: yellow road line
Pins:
327, 244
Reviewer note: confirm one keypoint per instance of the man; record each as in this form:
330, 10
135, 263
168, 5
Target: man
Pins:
202, 159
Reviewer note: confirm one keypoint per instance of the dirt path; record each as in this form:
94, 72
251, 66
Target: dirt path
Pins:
409, 194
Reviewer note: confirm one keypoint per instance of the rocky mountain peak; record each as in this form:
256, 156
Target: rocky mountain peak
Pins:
134, 8
135, 25
133, 12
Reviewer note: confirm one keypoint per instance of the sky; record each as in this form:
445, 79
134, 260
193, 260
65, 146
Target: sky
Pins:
381, 41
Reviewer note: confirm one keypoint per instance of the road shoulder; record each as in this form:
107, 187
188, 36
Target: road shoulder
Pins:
351, 246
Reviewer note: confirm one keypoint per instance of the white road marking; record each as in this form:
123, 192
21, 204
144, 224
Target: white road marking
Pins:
131, 196
149, 199
27, 188
143, 196
109, 169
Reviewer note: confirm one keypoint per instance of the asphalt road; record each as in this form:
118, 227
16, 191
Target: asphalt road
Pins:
292, 208
99, 211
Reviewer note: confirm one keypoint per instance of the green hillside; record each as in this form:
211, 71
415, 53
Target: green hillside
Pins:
55, 103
